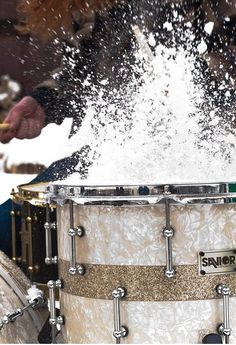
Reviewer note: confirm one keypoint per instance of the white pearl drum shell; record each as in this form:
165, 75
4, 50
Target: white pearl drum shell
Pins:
91, 321
132, 235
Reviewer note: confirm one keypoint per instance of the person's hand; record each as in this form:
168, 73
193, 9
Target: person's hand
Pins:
26, 120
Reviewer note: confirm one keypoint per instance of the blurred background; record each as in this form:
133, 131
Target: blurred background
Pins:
24, 63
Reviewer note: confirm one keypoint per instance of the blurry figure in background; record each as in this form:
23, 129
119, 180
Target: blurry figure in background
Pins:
98, 43
9, 92
221, 43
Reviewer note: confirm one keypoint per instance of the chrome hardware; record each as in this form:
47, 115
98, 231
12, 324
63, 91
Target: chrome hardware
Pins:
13, 230
168, 233
73, 232
224, 328
119, 331
217, 193
48, 226
166, 190
54, 320
13, 214
30, 253
35, 299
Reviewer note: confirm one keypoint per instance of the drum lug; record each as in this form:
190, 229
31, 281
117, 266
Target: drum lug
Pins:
35, 299
13, 230
168, 233
48, 226
72, 233
224, 328
119, 331
54, 320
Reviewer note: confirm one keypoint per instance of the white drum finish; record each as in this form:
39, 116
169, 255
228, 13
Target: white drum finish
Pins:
132, 235
23, 330
91, 321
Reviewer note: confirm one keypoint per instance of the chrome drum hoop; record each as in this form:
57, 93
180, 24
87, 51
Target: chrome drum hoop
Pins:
216, 193
36, 194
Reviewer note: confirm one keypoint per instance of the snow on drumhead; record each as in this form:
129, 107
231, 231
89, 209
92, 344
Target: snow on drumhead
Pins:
165, 126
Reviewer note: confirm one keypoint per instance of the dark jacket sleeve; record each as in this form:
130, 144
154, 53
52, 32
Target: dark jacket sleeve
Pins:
49, 100
62, 90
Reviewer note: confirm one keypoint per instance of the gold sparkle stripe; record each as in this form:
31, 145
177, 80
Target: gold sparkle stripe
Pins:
143, 283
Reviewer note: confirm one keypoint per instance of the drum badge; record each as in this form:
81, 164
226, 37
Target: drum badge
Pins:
217, 262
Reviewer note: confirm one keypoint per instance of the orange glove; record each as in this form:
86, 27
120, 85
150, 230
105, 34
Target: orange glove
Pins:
26, 120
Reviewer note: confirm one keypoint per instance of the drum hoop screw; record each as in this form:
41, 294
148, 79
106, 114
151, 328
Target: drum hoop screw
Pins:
58, 284
19, 311
166, 190
72, 270
168, 232
5, 319
71, 191
71, 232
81, 269
51, 284
224, 331
29, 219
52, 322
123, 332
222, 289
53, 260
80, 231
170, 273
46, 226
118, 293
53, 226
60, 320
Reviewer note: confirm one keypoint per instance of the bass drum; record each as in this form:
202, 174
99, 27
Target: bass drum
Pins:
13, 289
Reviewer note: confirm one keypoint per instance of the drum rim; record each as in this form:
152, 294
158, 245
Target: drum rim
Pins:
34, 196
20, 287
182, 193
205, 193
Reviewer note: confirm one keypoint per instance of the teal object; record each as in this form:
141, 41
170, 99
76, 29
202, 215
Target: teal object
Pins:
5, 227
232, 189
